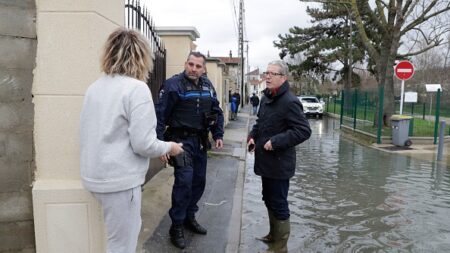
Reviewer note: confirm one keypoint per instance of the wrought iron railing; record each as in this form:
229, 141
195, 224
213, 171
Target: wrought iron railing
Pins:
138, 17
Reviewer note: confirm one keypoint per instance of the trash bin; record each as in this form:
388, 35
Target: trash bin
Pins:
400, 130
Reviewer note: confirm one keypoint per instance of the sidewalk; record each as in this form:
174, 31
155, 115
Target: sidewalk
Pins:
418, 149
220, 206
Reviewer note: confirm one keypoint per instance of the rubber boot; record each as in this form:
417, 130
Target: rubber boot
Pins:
281, 232
269, 237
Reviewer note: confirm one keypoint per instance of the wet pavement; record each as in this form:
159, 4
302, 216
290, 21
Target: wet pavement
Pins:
346, 197
220, 205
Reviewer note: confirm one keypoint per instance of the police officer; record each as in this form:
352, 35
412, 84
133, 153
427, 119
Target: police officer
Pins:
187, 111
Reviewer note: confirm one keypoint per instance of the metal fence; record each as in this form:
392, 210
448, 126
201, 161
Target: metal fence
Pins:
358, 110
426, 117
138, 17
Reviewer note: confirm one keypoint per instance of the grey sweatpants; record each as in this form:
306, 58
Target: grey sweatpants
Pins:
122, 214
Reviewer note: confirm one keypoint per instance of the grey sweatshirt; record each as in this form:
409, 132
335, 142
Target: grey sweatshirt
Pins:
117, 134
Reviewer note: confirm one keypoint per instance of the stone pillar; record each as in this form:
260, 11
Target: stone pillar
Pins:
179, 41
70, 36
17, 54
215, 73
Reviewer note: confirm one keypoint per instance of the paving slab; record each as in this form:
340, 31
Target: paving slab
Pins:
220, 206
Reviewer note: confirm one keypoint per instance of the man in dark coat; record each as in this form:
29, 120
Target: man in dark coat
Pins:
238, 98
255, 103
281, 125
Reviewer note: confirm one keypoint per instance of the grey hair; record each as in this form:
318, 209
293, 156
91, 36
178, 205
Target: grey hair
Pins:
283, 66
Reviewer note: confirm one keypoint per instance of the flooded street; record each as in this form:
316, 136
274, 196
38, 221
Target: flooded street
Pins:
346, 197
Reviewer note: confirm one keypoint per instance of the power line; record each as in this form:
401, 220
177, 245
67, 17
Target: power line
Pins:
234, 16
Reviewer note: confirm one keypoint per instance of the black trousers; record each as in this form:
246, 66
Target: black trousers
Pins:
189, 182
274, 195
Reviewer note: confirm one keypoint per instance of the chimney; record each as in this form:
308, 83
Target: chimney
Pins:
208, 54
231, 54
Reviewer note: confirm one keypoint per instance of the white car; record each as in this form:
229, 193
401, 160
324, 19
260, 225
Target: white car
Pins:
311, 106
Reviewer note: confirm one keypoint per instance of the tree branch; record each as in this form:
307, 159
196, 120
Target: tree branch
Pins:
423, 50
424, 17
365, 39
380, 9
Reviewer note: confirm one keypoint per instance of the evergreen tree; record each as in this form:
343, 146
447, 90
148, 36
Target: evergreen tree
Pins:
324, 46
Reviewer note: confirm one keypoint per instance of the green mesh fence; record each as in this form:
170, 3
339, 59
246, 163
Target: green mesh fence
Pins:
424, 115
360, 112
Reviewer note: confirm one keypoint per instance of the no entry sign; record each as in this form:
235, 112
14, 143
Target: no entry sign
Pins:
404, 70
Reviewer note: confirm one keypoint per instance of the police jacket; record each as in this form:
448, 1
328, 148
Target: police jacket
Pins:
184, 105
280, 120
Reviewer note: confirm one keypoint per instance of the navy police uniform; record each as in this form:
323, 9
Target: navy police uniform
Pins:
186, 113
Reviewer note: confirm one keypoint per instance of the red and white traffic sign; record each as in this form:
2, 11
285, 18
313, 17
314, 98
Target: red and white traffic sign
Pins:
404, 70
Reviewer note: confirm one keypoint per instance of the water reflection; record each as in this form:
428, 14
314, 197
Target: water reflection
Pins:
346, 197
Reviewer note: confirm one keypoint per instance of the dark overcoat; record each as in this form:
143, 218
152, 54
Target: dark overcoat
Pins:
280, 120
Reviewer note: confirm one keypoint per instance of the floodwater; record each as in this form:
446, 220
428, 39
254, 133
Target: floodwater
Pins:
346, 197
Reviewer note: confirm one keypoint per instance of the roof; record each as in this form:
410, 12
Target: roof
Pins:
178, 31
254, 72
228, 60
256, 81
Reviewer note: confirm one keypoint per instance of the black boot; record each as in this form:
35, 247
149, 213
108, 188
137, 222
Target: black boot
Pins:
177, 236
192, 224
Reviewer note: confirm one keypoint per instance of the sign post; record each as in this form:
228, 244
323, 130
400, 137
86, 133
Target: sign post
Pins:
404, 70
432, 88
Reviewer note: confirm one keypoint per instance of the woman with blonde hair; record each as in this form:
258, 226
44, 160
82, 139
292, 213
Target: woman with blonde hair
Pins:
118, 138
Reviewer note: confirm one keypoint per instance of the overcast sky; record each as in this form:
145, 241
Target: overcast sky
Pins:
216, 21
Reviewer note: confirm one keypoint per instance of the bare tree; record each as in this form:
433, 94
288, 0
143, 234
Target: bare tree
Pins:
399, 27
393, 19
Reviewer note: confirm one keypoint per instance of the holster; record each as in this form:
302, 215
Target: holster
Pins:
181, 160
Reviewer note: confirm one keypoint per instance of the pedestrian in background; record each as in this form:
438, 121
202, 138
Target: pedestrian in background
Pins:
187, 111
254, 100
234, 107
117, 137
238, 99
280, 126
235, 102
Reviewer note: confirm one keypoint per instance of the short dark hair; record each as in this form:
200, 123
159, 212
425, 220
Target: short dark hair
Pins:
197, 55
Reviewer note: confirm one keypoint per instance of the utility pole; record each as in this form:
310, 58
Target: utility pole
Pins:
248, 65
241, 51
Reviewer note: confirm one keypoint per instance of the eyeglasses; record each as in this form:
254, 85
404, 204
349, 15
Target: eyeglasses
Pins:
272, 74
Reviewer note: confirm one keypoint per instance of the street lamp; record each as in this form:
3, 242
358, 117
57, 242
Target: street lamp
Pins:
349, 24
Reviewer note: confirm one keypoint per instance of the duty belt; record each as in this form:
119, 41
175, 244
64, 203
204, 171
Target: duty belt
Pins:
186, 132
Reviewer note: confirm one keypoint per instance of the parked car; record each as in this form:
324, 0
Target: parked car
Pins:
311, 106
